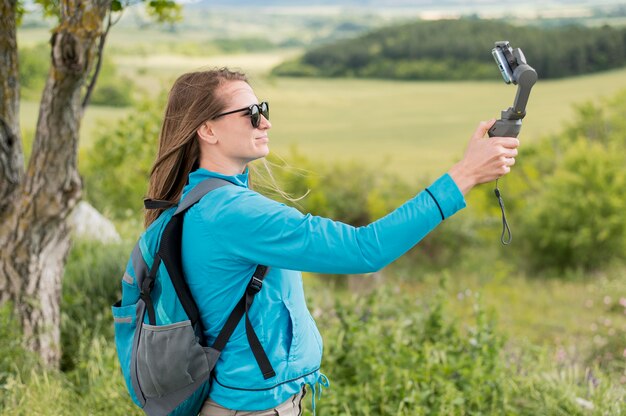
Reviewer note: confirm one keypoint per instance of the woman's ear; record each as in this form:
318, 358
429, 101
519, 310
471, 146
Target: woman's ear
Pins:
206, 133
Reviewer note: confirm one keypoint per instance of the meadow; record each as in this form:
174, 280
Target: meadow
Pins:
411, 128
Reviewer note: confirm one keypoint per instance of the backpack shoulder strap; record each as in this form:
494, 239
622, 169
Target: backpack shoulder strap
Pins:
191, 198
198, 192
171, 243
240, 310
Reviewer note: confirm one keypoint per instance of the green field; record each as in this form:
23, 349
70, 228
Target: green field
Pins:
412, 128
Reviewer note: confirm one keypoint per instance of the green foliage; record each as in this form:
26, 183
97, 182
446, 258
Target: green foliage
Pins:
244, 44
91, 284
459, 49
568, 192
117, 167
34, 63
577, 217
392, 354
111, 89
50, 8
13, 357
90, 381
94, 387
347, 192
164, 11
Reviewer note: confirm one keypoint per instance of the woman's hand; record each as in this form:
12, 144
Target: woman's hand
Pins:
485, 159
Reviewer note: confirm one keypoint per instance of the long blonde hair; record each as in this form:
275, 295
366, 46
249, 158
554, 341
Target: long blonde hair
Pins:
191, 101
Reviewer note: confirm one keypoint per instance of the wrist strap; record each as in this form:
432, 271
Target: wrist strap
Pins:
505, 224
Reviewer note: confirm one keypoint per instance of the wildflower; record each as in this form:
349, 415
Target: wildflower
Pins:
585, 404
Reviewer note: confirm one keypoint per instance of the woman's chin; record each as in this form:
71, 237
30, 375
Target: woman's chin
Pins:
264, 150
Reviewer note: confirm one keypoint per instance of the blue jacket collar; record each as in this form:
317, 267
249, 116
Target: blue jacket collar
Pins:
201, 174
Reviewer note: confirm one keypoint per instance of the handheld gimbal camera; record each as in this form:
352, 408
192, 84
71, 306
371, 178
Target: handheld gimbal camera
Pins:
514, 69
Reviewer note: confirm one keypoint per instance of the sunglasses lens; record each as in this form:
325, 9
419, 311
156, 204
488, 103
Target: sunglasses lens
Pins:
265, 109
255, 116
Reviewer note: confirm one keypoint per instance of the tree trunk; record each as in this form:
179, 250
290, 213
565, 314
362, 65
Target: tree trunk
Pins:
34, 232
11, 159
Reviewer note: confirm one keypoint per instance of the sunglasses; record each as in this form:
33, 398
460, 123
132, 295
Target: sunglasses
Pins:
255, 111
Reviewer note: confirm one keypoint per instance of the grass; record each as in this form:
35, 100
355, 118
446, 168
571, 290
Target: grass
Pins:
577, 320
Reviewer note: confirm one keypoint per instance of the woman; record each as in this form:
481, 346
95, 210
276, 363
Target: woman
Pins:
215, 126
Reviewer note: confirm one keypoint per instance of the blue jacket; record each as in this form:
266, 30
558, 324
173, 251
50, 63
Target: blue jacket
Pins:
233, 229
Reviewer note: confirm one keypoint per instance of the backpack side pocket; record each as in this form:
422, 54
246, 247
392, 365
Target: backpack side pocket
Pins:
169, 358
125, 323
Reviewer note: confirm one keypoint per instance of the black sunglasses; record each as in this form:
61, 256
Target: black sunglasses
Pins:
255, 111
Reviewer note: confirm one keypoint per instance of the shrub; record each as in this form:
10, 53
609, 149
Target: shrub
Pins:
34, 63
391, 354
577, 218
91, 284
112, 89
117, 167
566, 196
12, 356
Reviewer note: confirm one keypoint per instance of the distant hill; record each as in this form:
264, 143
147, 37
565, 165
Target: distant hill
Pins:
460, 49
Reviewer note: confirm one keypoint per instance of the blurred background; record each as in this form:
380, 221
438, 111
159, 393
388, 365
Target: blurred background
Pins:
370, 102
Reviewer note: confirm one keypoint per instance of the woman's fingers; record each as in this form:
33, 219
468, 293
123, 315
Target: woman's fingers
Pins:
507, 142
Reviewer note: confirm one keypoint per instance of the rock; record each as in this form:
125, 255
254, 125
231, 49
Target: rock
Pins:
89, 224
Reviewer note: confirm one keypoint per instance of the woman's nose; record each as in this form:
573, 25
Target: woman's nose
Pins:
265, 123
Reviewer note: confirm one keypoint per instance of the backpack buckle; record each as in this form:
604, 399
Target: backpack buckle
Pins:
255, 285
147, 285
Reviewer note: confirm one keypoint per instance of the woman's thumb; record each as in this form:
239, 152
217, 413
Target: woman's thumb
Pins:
482, 128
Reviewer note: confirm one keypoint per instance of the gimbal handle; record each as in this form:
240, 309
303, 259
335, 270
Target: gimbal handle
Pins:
510, 122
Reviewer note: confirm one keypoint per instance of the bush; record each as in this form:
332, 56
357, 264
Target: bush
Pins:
390, 354
112, 89
577, 219
117, 167
91, 284
12, 356
566, 195
34, 63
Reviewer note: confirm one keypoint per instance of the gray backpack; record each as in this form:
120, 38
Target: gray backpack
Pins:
164, 357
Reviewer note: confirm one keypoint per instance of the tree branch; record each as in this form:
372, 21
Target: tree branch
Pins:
94, 78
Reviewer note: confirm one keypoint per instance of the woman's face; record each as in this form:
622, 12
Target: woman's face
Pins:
236, 141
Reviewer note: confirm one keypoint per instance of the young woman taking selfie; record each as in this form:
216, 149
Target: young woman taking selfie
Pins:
214, 126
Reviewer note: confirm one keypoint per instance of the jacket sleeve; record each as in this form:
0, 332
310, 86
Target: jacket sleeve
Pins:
258, 230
